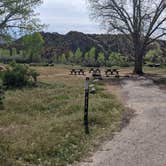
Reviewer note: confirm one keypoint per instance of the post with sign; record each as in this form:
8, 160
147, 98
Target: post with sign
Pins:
86, 106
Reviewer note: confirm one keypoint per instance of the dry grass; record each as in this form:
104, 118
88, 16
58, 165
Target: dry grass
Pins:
43, 125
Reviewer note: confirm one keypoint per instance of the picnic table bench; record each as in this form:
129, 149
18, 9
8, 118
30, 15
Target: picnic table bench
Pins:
110, 72
77, 72
154, 65
97, 74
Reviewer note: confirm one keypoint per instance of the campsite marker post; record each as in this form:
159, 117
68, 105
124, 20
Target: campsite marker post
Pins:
86, 106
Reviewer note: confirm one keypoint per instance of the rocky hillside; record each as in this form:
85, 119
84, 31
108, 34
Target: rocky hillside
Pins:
56, 44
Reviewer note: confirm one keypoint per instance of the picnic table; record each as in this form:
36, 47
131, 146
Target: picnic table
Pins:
111, 71
154, 65
77, 72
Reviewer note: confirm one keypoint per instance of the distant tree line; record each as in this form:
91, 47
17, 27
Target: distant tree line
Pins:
33, 46
31, 50
91, 58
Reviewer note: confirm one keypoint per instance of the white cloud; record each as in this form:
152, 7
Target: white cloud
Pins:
65, 15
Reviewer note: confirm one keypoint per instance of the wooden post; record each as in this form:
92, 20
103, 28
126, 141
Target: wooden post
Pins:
86, 106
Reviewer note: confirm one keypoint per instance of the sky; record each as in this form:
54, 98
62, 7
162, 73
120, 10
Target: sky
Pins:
63, 16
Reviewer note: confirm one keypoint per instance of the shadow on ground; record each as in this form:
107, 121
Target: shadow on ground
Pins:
158, 79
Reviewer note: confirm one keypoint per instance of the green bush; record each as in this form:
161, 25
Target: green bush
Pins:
18, 75
154, 56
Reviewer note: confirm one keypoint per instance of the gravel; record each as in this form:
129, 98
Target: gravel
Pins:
143, 141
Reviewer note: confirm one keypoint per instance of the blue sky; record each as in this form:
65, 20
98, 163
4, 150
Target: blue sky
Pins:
63, 16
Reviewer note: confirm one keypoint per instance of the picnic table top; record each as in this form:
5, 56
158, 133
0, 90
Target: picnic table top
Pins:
111, 69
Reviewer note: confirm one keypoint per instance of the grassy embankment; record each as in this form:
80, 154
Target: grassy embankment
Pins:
43, 125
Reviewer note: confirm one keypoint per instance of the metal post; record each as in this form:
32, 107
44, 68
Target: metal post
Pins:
86, 105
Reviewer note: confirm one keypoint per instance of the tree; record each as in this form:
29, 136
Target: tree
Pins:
92, 54
71, 57
116, 59
86, 59
101, 58
63, 59
18, 16
33, 45
86, 56
142, 22
78, 55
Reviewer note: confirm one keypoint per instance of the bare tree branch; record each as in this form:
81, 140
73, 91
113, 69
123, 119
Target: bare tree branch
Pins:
142, 21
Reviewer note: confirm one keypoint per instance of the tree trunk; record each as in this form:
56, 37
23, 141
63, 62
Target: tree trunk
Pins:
138, 54
138, 69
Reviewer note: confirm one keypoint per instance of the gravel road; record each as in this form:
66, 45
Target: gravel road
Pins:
143, 141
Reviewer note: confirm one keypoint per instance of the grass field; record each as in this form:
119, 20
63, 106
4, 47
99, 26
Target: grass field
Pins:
44, 125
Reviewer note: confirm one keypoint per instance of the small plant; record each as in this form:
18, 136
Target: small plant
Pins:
18, 75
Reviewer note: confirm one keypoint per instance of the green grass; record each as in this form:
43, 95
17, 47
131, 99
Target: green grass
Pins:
44, 125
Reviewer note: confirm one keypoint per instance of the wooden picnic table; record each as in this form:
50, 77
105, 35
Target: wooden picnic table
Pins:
110, 71
77, 72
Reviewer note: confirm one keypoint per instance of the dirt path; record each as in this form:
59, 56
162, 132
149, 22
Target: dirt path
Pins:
143, 141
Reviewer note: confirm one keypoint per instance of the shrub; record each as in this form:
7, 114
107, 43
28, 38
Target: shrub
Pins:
154, 56
18, 75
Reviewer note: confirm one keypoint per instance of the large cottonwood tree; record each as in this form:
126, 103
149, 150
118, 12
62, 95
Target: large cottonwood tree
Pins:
17, 16
142, 21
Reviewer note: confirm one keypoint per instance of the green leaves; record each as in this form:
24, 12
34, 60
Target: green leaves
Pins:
33, 45
18, 16
78, 55
17, 76
101, 58
116, 59
154, 55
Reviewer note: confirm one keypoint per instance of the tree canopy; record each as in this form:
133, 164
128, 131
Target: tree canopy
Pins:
33, 45
18, 16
